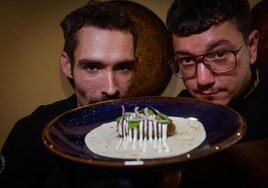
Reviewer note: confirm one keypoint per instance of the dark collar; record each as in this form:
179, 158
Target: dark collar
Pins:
253, 85
250, 89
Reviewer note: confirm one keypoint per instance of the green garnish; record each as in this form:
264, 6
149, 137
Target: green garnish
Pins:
150, 112
133, 124
118, 119
135, 121
163, 117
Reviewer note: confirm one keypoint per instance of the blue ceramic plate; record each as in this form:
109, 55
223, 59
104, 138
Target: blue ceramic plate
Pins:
65, 134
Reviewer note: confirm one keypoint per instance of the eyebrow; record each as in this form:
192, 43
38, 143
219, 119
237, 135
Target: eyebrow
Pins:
212, 45
129, 63
86, 62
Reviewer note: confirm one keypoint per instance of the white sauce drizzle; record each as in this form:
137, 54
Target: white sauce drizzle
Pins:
149, 130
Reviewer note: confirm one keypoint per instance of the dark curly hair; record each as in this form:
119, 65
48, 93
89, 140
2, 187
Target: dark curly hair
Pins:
187, 17
104, 15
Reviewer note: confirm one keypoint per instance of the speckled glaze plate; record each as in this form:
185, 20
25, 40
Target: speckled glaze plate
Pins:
65, 134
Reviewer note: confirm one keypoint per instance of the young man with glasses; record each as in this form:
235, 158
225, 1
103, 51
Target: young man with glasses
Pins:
215, 54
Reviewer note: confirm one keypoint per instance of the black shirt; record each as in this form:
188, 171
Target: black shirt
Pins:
246, 163
25, 161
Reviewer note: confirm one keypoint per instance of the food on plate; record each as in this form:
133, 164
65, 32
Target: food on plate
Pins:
107, 140
144, 122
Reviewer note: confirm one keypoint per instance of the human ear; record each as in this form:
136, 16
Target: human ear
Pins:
66, 65
252, 45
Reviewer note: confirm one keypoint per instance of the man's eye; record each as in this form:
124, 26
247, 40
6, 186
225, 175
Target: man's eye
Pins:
92, 68
220, 54
125, 66
186, 60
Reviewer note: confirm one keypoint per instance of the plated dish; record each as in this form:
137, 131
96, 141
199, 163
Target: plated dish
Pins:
188, 135
65, 135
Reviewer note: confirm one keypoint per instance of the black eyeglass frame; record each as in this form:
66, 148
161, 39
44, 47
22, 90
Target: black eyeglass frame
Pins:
200, 58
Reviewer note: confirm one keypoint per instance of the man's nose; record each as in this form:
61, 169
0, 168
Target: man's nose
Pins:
204, 75
110, 84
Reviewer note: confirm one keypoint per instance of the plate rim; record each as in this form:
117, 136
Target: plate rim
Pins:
142, 163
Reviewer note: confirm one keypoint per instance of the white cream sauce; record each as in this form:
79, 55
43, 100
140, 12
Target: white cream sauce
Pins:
104, 141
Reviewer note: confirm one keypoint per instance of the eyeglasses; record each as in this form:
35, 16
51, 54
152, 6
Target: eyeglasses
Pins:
221, 61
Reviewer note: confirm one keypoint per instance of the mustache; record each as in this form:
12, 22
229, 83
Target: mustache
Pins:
110, 97
105, 97
208, 90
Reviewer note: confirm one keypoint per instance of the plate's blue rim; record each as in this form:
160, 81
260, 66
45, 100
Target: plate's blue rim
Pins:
176, 161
